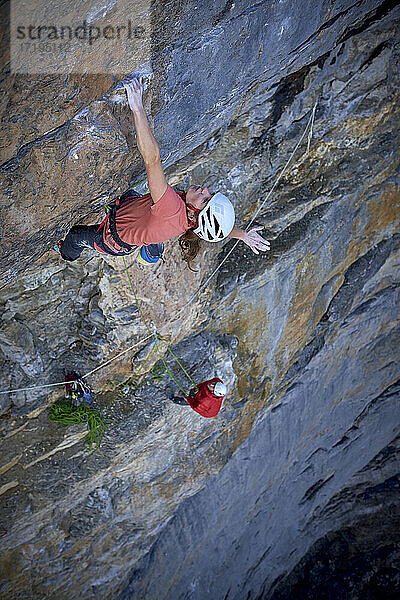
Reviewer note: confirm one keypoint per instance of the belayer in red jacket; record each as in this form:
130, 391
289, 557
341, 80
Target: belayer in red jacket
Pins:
206, 401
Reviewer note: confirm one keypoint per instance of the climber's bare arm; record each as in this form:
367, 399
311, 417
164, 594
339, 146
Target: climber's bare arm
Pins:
251, 238
147, 143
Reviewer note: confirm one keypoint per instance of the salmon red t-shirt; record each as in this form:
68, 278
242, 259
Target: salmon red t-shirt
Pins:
140, 221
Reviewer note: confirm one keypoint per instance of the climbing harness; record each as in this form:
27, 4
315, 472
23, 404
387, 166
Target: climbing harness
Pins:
110, 235
148, 254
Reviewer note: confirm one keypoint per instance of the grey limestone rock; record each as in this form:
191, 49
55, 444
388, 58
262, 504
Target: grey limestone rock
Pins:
292, 490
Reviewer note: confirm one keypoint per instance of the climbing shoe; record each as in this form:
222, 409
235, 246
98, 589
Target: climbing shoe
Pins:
150, 254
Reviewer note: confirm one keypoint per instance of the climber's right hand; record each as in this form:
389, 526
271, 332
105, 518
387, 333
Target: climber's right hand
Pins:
134, 91
254, 240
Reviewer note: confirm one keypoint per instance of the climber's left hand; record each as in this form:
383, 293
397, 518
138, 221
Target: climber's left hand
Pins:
255, 241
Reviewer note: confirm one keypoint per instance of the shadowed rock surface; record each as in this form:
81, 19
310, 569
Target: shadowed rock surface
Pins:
292, 491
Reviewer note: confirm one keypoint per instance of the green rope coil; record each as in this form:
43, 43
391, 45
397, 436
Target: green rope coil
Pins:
66, 414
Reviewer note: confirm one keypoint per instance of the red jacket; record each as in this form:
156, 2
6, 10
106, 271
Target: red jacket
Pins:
205, 402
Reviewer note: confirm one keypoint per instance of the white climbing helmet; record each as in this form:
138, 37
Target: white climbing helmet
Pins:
220, 389
216, 220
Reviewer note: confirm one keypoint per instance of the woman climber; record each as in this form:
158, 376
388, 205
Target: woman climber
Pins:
147, 221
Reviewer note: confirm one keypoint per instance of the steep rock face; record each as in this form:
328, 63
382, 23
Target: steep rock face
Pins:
301, 463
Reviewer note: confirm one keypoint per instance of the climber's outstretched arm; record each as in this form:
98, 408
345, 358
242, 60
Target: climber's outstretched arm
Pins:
147, 143
251, 238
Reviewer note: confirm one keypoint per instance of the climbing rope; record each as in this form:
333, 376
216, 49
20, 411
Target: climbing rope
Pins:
139, 183
310, 122
177, 360
155, 335
107, 362
66, 414
129, 381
